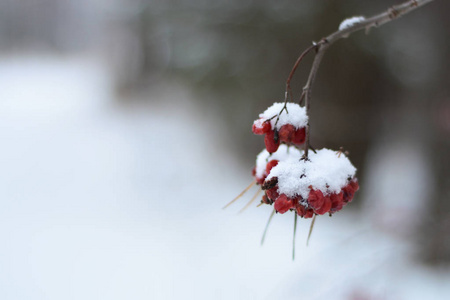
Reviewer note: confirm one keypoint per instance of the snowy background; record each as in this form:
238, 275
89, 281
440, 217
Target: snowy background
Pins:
110, 193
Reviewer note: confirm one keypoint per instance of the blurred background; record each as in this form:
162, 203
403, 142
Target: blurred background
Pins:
125, 127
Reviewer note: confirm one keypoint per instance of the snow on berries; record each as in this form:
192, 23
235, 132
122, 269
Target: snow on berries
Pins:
266, 161
323, 183
281, 124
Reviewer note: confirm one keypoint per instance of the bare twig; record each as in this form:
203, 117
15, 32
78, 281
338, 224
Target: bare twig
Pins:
376, 21
288, 92
294, 68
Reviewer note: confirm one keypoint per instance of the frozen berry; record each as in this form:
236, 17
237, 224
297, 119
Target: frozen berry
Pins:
286, 133
303, 212
309, 213
271, 144
325, 207
283, 204
315, 199
348, 192
337, 202
261, 127
300, 209
299, 136
354, 184
272, 193
270, 165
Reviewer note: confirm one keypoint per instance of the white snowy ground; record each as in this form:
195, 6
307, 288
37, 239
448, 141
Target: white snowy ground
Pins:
103, 201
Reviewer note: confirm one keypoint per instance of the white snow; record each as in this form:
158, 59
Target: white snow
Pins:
296, 115
284, 153
327, 171
350, 22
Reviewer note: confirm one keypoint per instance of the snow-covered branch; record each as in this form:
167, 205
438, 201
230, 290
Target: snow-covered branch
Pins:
348, 27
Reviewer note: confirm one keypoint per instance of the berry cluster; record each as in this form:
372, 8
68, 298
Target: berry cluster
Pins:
316, 203
287, 127
324, 183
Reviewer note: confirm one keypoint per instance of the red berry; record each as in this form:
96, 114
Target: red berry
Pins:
273, 193
337, 201
269, 140
270, 165
283, 204
261, 127
300, 209
309, 213
303, 211
325, 207
299, 136
315, 199
348, 192
354, 184
286, 133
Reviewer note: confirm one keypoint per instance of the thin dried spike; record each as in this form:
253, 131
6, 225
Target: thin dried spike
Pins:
293, 239
311, 229
260, 204
251, 201
240, 195
267, 227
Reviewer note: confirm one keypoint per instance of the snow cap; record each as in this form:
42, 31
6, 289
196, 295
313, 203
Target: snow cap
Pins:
350, 22
295, 115
326, 170
284, 153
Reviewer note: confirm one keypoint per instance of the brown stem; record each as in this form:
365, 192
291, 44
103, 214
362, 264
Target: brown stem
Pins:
294, 68
288, 92
375, 21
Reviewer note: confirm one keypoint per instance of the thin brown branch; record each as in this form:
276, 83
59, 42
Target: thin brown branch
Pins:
288, 92
294, 68
376, 21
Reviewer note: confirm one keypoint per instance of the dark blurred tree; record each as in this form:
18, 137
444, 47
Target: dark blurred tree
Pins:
238, 54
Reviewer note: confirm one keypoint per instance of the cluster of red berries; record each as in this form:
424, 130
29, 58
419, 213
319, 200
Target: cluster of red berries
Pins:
287, 134
269, 166
325, 189
313, 200
316, 203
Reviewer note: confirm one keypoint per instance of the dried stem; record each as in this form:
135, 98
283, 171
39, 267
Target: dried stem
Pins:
311, 229
240, 195
267, 227
288, 92
251, 201
378, 20
293, 239
294, 68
